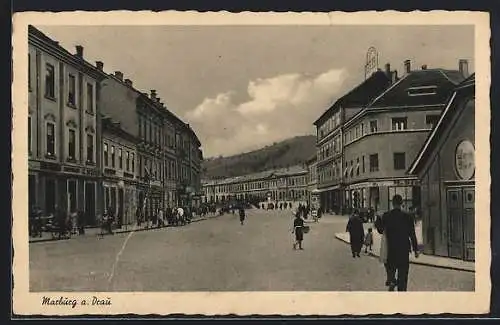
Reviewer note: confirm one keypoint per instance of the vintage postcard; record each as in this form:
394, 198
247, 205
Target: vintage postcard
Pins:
251, 164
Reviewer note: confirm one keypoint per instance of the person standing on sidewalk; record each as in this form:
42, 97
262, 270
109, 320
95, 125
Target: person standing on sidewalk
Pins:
356, 234
399, 229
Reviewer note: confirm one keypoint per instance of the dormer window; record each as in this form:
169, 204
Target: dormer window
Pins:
422, 91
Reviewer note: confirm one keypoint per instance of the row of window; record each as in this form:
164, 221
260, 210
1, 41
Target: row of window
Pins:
152, 132
330, 148
71, 91
117, 159
232, 188
356, 167
50, 142
397, 124
331, 124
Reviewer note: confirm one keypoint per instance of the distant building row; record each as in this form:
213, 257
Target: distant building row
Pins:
280, 185
95, 142
369, 139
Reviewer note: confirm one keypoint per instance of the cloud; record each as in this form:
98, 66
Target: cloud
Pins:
277, 108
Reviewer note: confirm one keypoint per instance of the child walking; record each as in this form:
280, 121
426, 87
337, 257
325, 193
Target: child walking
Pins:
368, 240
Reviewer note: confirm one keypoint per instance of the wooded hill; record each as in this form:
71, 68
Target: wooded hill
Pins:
290, 152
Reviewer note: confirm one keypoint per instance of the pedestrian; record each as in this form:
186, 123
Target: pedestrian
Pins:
399, 228
298, 230
138, 216
383, 249
81, 222
368, 240
242, 215
110, 218
356, 234
180, 215
161, 222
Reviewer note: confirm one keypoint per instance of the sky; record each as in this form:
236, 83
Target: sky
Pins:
244, 87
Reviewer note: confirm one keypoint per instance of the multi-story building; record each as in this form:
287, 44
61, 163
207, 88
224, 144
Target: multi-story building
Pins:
446, 168
384, 137
286, 184
168, 150
330, 137
119, 171
312, 180
63, 131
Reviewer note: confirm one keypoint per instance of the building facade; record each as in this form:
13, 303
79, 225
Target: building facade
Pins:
280, 185
330, 138
384, 138
445, 167
119, 180
168, 151
63, 132
312, 181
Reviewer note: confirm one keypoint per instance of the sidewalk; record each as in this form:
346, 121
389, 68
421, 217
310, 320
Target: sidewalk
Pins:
95, 231
429, 260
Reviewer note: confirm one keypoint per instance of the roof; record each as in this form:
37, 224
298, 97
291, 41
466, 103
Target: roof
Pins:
466, 87
419, 81
293, 170
361, 95
52, 45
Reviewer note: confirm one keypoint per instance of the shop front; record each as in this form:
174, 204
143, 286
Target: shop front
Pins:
377, 195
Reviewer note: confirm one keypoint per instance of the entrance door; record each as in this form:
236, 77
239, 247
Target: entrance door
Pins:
32, 191
455, 222
460, 205
50, 195
90, 203
71, 195
469, 212
120, 206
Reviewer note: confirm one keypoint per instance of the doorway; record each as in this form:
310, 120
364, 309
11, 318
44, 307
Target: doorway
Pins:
90, 203
71, 195
32, 199
50, 195
120, 207
460, 212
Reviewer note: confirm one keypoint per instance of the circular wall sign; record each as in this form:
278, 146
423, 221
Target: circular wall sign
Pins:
464, 160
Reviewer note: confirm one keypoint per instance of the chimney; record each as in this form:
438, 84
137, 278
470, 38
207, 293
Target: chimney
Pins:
119, 75
128, 82
424, 67
407, 66
388, 69
99, 65
463, 67
79, 51
153, 94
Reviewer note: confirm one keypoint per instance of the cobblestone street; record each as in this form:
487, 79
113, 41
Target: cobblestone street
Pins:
219, 254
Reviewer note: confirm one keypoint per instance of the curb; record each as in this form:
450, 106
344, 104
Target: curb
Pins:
119, 232
418, 262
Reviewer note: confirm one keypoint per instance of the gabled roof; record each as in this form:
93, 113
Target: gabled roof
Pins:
360, 95
466, 87
442, 81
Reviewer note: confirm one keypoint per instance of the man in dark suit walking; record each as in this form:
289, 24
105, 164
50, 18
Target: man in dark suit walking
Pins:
399, 229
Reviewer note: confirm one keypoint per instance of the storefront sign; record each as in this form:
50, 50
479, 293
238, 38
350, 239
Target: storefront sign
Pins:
50, 166
464, 160
91, 172
72, 169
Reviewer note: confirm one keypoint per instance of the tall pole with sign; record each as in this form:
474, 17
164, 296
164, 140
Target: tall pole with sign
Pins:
371, 64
